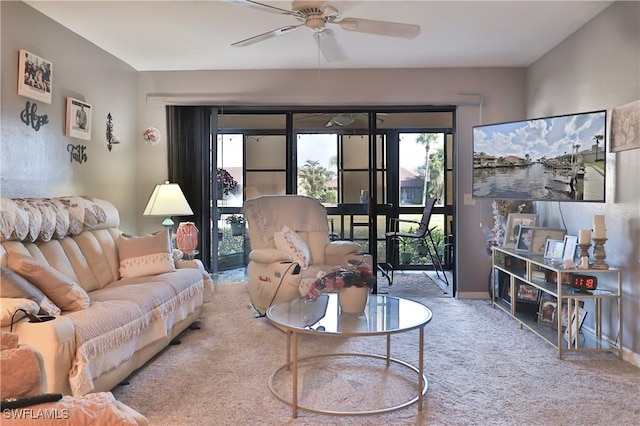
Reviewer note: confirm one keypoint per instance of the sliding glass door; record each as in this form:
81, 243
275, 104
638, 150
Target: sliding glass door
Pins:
364, 166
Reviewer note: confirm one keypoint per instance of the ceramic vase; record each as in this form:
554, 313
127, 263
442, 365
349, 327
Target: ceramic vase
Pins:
353, 299
187, 237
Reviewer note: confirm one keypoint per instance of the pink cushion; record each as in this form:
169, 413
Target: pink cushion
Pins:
143, 256
62, 290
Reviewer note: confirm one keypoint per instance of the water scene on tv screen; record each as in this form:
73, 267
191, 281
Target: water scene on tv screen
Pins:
557, 158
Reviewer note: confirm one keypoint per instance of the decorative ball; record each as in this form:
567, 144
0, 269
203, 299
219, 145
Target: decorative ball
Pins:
151, 136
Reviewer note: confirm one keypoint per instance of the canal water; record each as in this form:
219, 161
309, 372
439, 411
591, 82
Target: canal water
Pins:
527, 182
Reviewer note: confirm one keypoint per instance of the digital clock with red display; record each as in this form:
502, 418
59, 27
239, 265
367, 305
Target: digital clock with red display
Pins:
584, 282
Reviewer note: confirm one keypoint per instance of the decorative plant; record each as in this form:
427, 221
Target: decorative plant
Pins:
226, 182
235, 219
358, 274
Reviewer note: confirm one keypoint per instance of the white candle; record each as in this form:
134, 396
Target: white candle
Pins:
584, 236
598, 226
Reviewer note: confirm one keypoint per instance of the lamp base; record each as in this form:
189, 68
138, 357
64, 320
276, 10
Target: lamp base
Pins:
168, 223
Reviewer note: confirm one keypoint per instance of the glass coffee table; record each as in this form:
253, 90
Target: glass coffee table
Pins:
383, 316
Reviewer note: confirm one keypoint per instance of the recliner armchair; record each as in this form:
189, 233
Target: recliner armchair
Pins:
280, 268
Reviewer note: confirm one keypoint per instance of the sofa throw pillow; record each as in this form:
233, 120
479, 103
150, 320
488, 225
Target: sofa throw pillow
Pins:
147, 255
288, 241
62, 290
14, 285
9, 305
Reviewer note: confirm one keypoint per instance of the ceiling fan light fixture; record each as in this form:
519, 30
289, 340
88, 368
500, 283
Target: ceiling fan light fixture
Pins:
344, 119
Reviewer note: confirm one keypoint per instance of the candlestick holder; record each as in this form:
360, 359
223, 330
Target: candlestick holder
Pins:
599, 254
584, 250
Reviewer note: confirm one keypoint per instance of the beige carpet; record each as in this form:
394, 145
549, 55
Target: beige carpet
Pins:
482, 370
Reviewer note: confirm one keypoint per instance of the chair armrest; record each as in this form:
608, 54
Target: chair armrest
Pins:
269, 255
342, 248
338, 252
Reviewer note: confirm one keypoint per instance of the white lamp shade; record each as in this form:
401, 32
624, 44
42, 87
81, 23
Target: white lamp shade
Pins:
167, 199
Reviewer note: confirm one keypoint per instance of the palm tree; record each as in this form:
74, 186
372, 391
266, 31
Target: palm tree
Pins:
426, 139
314, 179
598, 138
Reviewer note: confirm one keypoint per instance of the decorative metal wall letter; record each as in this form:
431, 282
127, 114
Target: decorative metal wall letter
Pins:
77, 153
30, 118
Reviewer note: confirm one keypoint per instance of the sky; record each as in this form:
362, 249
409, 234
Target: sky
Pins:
545, 137
319, 147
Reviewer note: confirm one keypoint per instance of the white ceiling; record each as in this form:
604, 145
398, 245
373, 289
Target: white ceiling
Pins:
197, 35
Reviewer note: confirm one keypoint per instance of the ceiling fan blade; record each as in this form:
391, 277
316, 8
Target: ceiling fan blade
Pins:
329, 46
267, 35
261, 6
384, 28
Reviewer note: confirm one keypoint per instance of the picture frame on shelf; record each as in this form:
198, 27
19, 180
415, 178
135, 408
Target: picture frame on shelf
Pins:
35, 77
525, 235
540, 236
577, 319
554, 249
564, 317
527, 293
78, 120
570, 247
547, 311
514, 222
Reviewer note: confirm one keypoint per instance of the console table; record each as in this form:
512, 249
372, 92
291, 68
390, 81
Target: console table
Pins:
524, 285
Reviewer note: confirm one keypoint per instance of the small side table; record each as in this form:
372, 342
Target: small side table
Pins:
191, 255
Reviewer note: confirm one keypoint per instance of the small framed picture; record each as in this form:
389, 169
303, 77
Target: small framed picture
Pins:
570, 245
525, 235
547, 311
526, 293
540, 236
35, 76
564, 317
577, 318
554, 249
514, 222
78, 119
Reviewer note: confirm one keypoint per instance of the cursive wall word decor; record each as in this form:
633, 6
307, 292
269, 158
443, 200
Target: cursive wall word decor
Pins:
30, 118
77, 153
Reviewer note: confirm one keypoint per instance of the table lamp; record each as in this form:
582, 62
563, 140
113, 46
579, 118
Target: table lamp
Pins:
167, 200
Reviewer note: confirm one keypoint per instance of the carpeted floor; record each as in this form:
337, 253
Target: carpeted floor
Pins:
482, 370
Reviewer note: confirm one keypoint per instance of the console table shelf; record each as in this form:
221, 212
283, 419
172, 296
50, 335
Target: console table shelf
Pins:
535, 291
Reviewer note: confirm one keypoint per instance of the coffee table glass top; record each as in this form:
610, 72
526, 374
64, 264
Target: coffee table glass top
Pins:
383, 314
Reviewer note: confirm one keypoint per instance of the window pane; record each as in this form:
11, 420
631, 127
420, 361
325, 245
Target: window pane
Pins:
356, 152
229, 148
317, 167
266, 152
353, 185
265, 183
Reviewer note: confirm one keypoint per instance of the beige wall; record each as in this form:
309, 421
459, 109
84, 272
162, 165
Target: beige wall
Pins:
598, 67
37, 163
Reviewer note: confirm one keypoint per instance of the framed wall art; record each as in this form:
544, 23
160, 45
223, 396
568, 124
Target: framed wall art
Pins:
625, 127
78, 123
514, 222
35, 76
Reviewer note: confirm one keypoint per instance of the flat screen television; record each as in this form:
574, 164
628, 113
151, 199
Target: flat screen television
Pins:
559, 158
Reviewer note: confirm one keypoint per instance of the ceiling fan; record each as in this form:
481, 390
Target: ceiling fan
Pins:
341, 119
315, 15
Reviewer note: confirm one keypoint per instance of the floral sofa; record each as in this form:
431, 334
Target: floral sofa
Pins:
116, 300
